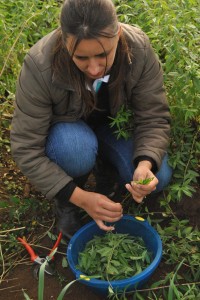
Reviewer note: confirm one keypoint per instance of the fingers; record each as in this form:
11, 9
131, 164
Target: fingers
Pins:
109, 211
139, 191
103, 226
110, 205
110, 219
138, 197
100, 208
142, 172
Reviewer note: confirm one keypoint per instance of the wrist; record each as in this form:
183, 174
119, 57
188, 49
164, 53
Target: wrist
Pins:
78, 197
145, 163
143, 158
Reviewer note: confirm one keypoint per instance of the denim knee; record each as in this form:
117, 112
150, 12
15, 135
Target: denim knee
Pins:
73, 146
164, 175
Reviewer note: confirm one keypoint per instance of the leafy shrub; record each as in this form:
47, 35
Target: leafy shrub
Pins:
173, 29
22, 23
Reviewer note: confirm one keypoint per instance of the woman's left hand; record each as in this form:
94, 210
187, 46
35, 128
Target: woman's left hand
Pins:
140, 191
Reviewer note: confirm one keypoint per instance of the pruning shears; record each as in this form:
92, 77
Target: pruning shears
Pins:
39, 260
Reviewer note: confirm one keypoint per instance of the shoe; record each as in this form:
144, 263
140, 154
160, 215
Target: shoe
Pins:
68, 220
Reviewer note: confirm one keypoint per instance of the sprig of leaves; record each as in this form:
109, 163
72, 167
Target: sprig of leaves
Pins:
123, 123
143, 181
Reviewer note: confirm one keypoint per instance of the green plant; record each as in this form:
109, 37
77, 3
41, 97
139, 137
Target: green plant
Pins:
174, 33
41, 281
41, 278
123, 123
17, 35
143, 181
184, 245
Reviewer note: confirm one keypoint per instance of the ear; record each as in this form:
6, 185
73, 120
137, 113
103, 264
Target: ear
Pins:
119, 30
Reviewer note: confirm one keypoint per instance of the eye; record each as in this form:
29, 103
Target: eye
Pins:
81, 57
102, 55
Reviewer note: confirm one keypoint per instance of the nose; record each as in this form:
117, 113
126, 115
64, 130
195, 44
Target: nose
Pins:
93, 67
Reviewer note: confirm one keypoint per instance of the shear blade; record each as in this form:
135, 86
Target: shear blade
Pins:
48, 269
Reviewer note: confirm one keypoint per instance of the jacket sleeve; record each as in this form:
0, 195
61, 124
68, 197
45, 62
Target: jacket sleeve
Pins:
30, 126
151, 110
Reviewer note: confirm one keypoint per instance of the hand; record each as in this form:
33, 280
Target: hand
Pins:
139, 191
98, 206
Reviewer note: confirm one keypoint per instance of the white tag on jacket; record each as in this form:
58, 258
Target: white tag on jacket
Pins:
97, 83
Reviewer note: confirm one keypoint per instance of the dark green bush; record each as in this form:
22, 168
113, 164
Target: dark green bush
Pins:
173, 28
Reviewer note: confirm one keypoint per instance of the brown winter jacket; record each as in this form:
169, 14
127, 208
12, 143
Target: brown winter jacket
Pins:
42, 99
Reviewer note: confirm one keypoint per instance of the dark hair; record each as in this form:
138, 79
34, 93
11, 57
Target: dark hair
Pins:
89, 19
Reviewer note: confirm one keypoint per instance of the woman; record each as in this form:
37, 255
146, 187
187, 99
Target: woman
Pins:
71, 82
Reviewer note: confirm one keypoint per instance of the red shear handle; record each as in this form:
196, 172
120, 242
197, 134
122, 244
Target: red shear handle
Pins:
28, 248
57, 243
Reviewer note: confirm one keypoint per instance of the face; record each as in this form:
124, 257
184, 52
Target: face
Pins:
94, 57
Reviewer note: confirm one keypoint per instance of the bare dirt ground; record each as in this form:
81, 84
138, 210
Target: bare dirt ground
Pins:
20, 276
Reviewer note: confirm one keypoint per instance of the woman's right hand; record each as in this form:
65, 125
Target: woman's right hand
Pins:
98, 206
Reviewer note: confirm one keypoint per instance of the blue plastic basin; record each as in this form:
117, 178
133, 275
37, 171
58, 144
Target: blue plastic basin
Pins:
128, 224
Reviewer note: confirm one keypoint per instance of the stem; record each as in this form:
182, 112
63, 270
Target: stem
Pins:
13, 229
190, 156
111, 254
167, 286
126, 197
3, 264
9, 287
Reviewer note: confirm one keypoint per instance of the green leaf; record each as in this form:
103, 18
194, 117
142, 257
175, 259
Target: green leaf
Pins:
139, 296
170, 293
116, 263
52, 236
41, 275
64, 290
110, 290
136, 257
104, 251
64, 262
41, 281
112, 270
26, 295
3, 204
143, 181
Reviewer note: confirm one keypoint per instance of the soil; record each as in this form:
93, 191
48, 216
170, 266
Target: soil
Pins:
20, 276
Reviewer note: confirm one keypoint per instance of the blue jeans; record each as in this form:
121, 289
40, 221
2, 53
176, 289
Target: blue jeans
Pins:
75, 146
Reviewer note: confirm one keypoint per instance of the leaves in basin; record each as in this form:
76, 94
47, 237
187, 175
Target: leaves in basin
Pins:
114, 256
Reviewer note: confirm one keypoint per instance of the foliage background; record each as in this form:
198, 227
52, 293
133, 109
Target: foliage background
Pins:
174, 30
